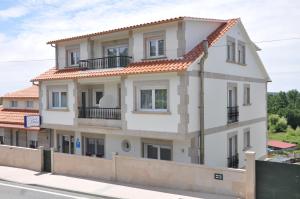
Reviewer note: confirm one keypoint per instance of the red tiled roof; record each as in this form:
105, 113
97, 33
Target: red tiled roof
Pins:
144, 66
28, 93
10, 118
281, 145
133, 27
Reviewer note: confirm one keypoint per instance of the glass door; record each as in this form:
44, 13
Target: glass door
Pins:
117, 56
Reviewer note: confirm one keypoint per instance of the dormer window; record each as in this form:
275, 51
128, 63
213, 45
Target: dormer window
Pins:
230, 49
241, 53
73, 57
156, 47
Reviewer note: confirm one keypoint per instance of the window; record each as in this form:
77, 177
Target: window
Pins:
29, 104
117, 56
153, 99
156, 47
14, 104
73, 57
98, 96
247, 139
94, 147
230, 50
59, 99
247, 94
241, 53
159, 152
33, 144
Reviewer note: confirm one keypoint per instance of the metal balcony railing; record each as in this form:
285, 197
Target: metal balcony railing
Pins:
233, 161
105, 62
232, 114
99, 113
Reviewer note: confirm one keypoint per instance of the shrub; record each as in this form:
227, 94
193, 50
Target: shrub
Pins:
293, 118
277, 124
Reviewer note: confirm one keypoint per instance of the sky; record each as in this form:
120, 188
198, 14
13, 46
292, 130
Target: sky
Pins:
26, 26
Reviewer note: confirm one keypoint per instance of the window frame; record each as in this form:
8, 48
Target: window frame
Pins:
28, 102
159, 147
230, 51
241, 59
77, 52
247, 95
153, 89
247, 139
59, 90
14, 104
156, 37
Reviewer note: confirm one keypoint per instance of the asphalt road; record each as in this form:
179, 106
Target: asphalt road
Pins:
9, 190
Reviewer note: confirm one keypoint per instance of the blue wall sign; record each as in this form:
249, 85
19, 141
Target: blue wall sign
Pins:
77, 143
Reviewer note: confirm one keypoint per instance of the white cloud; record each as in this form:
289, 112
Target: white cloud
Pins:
13, 12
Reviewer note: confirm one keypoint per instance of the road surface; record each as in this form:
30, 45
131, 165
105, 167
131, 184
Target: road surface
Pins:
9, 190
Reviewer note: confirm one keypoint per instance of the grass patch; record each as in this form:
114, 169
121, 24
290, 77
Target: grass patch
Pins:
291, 136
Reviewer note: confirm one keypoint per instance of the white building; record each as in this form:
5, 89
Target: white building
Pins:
16, 105
136, 91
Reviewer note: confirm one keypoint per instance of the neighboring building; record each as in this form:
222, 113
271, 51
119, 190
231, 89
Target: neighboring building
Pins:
16, 105
136, 91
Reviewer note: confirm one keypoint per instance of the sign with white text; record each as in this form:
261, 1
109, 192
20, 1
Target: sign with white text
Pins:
32, 121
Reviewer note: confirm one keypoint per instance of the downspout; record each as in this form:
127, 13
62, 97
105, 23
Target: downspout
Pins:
56, 55
201, 63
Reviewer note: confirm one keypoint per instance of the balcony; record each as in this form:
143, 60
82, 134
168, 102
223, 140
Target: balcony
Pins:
105, 62
233, 161
99, 113
232, 114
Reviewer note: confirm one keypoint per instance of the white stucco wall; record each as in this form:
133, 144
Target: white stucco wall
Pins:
171, 40
53, 116
194, 104
197, 31
215, 97
153, 122
216, 145
22, 104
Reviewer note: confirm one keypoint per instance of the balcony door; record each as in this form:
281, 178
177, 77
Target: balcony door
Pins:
233, 159
117, 56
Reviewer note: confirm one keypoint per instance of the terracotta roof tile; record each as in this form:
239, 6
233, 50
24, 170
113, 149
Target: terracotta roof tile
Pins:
144, 66
28, 93
10, 118
279, 144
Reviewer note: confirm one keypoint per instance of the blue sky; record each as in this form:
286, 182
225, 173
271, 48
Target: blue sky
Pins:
26, 26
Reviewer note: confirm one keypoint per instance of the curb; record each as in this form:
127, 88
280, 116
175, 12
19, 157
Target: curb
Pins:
61, 189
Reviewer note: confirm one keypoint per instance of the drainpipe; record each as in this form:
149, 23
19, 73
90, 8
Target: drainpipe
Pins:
201, 63
56, 55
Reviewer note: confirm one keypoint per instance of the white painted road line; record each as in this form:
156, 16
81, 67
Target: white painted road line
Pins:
41, 191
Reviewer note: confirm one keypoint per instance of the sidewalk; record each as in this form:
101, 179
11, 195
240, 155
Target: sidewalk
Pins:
101, 188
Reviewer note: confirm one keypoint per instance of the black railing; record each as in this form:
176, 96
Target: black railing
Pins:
105, 62
233, 161
232, 114
99, 113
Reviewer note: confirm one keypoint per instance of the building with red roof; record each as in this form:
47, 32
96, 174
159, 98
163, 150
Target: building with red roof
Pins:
279, 145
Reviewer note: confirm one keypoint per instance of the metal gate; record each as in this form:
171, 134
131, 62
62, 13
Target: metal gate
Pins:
47, 160
277, 180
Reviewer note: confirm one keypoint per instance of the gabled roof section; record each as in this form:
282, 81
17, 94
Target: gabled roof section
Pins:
10, 118
27, 93
134, 27
157, 66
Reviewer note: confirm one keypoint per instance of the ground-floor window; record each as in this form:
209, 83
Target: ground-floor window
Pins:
1, 139
33, 144
94, 147
68, 144
160, 152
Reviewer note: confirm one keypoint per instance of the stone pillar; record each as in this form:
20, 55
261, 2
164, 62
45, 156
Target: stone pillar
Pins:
55, 140
78, 143
52, 161
250, 175
41, 149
